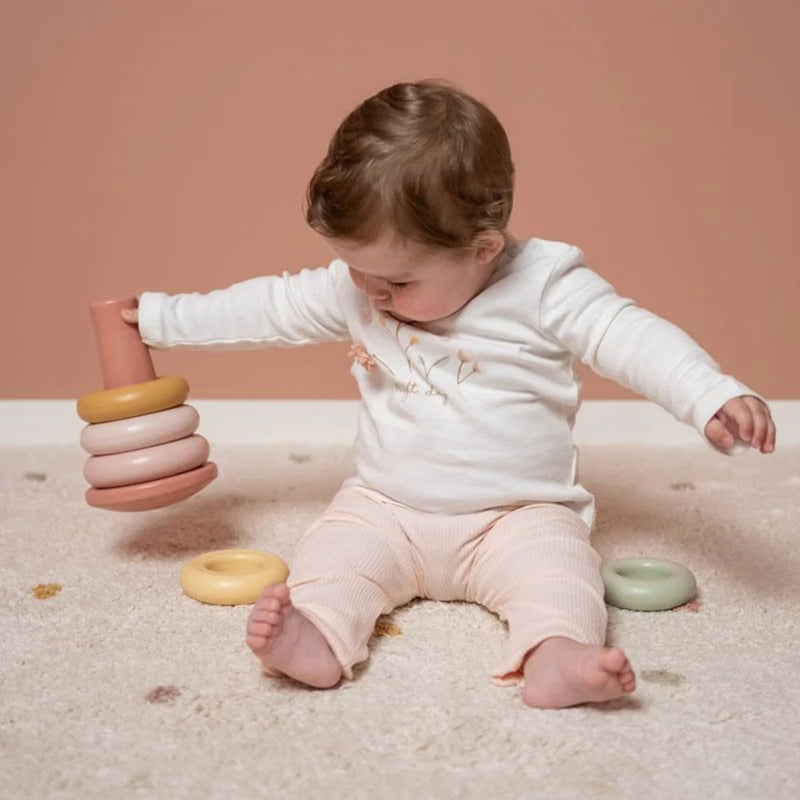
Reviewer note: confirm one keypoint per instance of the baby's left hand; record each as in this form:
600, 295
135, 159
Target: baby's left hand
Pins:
744, 418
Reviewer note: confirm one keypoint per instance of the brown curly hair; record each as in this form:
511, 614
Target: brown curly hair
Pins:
424, 161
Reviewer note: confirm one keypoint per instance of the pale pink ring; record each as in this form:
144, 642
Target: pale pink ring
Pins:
148, 464
135, 433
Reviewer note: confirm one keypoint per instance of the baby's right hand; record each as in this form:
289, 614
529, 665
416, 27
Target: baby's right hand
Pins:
130, 315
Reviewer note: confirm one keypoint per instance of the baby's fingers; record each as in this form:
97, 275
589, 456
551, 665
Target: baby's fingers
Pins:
768, 445
130, 315
748, 419
763, 428
752, 421
718, 433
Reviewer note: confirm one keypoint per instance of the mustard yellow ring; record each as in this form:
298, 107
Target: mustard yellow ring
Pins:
123, 402
231, 577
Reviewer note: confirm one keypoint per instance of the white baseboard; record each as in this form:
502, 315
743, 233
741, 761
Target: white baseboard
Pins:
42, 422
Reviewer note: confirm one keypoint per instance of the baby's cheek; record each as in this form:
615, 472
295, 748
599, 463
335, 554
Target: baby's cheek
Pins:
426, 313
413, 308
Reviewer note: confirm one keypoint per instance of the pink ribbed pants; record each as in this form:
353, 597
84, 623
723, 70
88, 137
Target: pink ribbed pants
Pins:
532, 566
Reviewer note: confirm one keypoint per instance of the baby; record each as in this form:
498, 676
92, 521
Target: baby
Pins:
464, 345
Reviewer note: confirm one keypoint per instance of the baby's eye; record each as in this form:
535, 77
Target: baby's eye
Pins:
400, 285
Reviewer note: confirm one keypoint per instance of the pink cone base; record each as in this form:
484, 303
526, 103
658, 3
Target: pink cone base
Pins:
153, 494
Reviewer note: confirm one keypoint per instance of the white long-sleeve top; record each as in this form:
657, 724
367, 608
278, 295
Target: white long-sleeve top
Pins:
475, 410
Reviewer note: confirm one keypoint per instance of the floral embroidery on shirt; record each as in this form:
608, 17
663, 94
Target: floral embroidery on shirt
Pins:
428, 369
432, 390
466, 361
414, 341
417, 366
359, 354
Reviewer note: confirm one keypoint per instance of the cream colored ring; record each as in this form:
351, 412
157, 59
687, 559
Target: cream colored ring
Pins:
130, 401
135, 433
231, 577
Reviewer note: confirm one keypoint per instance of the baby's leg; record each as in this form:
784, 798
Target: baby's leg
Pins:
352, 565
537, 569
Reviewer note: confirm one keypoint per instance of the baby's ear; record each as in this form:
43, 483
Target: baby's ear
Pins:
488, 244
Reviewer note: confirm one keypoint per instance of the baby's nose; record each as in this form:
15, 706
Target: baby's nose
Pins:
376, 288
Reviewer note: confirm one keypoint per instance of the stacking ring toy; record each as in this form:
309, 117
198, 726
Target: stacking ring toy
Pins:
141, 434
134, 433
231, 577
647, 584
130, 401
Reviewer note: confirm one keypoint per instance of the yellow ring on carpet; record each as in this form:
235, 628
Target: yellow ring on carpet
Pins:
231, 577
134, 400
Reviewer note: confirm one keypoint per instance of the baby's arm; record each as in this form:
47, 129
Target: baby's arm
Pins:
650, 355
287, 310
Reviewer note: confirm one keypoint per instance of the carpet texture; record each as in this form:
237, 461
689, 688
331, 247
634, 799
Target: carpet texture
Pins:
115, 685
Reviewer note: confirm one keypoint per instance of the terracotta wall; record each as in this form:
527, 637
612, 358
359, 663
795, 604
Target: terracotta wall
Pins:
167, 144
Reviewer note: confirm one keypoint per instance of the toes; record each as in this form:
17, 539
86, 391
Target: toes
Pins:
628, 676
615, 663
266, 621
255, 642
627, 681
276, 591
614, 660
261, 629
264, 607
266, 618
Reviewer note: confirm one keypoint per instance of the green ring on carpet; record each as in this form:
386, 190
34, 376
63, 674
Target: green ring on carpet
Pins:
647, 584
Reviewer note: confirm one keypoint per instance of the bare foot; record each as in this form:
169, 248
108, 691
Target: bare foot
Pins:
561, 672
288, 642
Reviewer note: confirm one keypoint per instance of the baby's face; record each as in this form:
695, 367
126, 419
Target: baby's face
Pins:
411, 282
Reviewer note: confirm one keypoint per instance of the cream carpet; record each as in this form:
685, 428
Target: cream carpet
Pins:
115, 685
